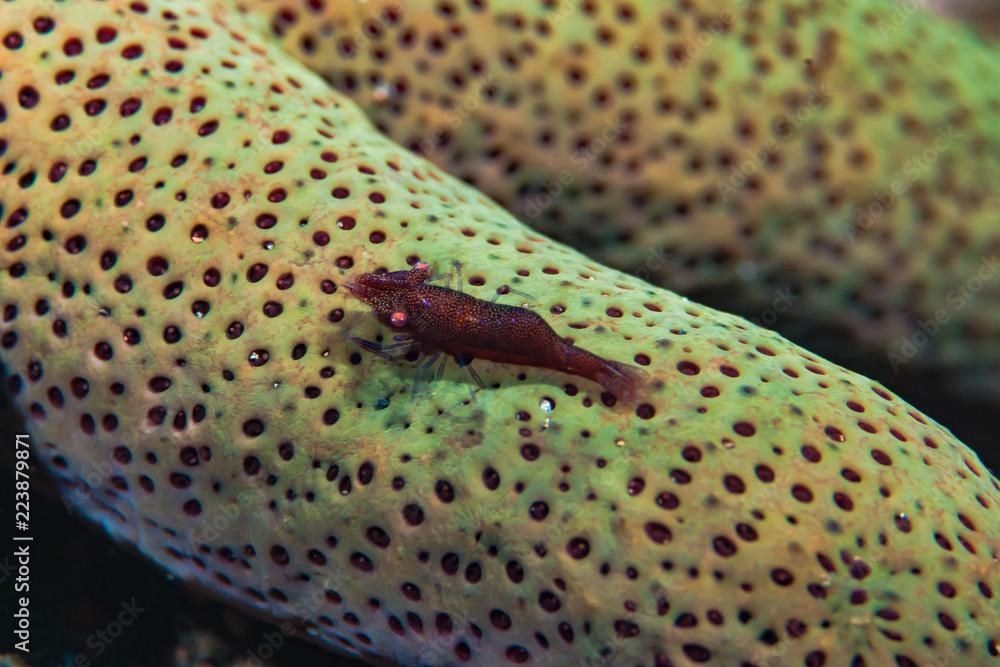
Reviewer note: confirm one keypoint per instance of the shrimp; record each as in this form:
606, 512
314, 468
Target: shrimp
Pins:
435, 320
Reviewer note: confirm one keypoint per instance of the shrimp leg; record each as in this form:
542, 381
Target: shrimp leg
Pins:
388, 351
423, 374
457, 265
465, 362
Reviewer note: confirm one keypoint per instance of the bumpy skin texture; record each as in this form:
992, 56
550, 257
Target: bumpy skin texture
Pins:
175, 330
819, 167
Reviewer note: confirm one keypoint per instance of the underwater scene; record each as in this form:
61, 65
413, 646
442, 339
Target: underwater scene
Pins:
565, 333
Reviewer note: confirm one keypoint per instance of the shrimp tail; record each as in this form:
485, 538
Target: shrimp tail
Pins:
622, 380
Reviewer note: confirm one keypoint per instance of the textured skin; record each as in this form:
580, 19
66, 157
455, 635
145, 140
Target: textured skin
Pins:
731, 151
761, 506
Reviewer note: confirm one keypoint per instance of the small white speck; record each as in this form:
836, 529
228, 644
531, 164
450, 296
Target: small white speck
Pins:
382, 93
620, 442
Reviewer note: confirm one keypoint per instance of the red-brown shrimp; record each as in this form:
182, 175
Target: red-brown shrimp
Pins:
438, 319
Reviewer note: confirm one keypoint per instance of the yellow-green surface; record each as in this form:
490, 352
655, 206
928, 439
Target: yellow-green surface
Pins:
827, 169
760, 505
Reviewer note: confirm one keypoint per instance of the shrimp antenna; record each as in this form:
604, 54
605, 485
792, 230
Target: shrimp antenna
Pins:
457, 268
437, 276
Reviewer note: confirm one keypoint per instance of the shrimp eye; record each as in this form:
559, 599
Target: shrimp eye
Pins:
422, 266
398, 318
